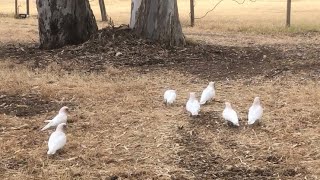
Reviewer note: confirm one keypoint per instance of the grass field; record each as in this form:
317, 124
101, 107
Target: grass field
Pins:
261, 16
119, 127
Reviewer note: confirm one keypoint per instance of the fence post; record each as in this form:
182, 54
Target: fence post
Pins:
103, 10
28, 8
288, 23
192, 12
16, 8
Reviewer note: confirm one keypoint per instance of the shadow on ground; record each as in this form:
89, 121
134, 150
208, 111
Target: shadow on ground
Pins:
205, 61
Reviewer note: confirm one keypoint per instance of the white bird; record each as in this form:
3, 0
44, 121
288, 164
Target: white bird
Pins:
230, 115
255, 111
193, 105
208, 93
169, 96
61, 117
57, 139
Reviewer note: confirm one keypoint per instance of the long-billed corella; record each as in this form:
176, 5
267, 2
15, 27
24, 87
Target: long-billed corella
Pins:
230, 115
169, 96
61, 117
208, 93
193, 105
255, 111
57, 139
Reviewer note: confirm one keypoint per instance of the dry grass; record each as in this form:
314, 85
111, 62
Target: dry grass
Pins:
262, 16
117, 125
120, 126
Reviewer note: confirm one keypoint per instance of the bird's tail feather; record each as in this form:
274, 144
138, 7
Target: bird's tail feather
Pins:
50, 152
46, 127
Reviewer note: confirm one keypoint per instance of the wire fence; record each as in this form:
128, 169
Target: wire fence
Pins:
217, 4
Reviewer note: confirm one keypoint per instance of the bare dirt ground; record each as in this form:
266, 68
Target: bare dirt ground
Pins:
119, 128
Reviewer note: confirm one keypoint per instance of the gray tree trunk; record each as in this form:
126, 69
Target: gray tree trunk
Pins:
63, 22
135, 4
103, 10
158, 20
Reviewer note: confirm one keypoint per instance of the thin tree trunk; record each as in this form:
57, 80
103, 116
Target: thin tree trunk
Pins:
103, 10
158, 20
63, 22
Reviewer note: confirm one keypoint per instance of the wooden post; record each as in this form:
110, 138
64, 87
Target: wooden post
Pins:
103, 10
288, 13
16, 8
192, 12
28, 7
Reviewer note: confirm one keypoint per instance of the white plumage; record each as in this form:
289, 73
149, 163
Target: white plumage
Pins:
255, 111
169, 96
230, 115
57, 139
61, 117
208, 93
193, 105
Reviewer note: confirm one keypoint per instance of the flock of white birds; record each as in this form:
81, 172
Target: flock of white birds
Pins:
58, 139
208, 94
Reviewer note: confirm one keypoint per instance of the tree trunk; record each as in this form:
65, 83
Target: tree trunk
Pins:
135, 4
158, 20
63, 22
103, 10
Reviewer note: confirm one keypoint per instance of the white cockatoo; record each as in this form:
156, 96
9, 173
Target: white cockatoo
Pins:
57, 139
255, 111
230, 115
193, 105
169, 96
208, 93
61, 117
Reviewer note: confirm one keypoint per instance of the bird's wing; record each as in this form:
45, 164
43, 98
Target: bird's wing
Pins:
206, 95
47, 126
188, 106
56, 141
251, 117
195, 107
255, 113
60, 118
165, 96
234, 117
172, 96
230, 115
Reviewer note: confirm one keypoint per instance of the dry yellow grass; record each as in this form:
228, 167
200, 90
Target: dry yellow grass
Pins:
120, 126
119, 122
262, 16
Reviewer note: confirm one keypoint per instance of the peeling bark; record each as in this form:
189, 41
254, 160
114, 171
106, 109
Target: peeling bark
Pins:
135, 4
158, 20
63, 22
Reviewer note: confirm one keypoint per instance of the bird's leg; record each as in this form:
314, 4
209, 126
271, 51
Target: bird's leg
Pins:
165, 103
259, 123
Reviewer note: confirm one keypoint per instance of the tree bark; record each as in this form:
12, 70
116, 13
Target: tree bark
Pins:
135, 4
63, 22
103, 10
158, 20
